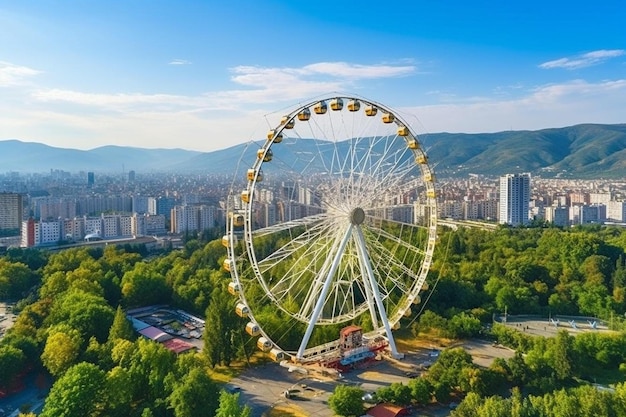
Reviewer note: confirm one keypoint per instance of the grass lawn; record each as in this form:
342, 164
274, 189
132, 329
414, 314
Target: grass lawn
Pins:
223, 374
405, 341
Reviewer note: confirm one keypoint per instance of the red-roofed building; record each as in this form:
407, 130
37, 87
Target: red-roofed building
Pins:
387, 410
178, 345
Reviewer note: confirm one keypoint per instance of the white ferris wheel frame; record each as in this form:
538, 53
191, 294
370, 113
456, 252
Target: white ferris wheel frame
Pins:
352, 234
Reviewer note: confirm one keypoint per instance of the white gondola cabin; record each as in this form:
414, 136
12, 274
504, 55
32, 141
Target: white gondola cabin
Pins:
417, 298
428, 176
320, 108
237, 219
407, 312
421, 159
413, 144
354, 105
242, 310
403, 131
388, 118
396, 326
253, 329
370, 110
233, 288
304, 115
287, 122
228, 264
276, 137
336, 104
264, 344
226, 241
245, 196
277, 355
266, 156
253, 173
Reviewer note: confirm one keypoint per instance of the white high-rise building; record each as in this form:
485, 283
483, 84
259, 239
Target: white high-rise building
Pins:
514, 199
616, 211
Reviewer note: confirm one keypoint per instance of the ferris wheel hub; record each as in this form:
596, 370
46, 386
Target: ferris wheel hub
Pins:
357, 216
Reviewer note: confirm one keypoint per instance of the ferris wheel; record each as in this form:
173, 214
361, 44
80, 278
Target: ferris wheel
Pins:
334, 222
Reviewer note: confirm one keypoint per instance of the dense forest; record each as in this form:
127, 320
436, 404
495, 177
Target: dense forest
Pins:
72, 325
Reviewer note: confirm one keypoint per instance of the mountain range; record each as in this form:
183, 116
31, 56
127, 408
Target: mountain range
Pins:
581, 151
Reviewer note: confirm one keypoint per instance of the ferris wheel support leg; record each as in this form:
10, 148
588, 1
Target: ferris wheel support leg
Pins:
379, 302
371, 304
322, 297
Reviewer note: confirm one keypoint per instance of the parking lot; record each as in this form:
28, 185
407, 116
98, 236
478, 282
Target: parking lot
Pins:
264, 387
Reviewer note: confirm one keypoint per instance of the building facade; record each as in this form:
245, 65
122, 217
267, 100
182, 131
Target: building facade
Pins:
11, 209
514, 199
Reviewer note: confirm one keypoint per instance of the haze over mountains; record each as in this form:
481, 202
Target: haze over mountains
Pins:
581, 151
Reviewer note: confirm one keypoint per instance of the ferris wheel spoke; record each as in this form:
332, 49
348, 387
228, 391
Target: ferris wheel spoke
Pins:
391, 267
296, 245
406, 243
323, 278
298, 278
402, 251
277, 228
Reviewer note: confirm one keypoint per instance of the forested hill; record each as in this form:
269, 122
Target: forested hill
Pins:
581, 151
587, 150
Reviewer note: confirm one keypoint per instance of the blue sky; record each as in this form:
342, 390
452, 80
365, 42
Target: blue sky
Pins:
206, 75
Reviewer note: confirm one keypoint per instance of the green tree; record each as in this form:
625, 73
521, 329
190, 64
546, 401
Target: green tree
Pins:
61, 350
149, 368
119, 396
421, 390
11, 363
447, 370
78, 393
230, 407
220, 333
346, 401
196, 395
15, 279
121, 327
90, 314
560, 355
469, 406
401, 393
144, 285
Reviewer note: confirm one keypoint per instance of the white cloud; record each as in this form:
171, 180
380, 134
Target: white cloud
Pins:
262, 85
263, 77
179, 62
11, 74
584, 60
113, 101
548, 106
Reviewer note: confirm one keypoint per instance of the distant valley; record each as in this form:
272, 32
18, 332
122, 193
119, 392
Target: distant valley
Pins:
581, 151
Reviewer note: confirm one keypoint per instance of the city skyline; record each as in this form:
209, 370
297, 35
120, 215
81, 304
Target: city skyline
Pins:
203, 76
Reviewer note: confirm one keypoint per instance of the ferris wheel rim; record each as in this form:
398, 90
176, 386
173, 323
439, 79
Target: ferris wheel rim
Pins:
419, 277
